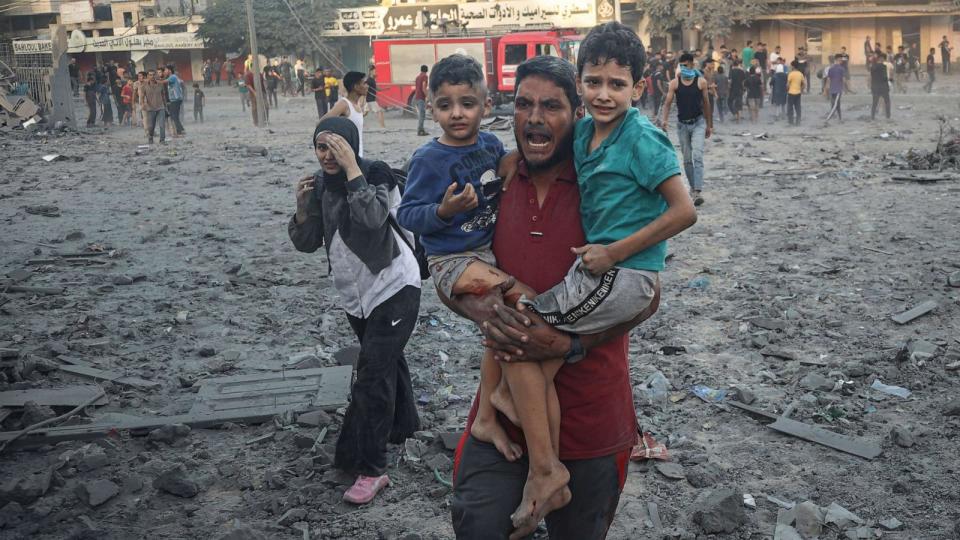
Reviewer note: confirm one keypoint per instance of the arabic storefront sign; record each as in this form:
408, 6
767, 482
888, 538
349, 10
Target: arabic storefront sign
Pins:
398, 20
139, 42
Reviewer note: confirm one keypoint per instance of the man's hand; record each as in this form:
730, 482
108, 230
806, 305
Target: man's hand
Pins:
452, 205
709, 132
663, 125
304, 192
596, 258
523, 337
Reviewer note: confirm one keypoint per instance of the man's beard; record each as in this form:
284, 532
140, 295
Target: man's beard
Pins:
561, 153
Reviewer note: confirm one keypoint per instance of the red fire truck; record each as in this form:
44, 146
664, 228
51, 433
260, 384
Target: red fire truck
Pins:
398, 60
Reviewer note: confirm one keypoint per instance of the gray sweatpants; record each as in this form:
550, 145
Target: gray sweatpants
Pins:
587, 304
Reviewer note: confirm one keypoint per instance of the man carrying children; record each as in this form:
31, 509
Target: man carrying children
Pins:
570, 392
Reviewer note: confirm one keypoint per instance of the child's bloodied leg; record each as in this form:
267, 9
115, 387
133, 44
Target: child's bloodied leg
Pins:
547, 478
478, 278
485, 426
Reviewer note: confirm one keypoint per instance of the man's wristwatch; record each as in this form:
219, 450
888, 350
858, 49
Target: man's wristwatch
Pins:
576, 352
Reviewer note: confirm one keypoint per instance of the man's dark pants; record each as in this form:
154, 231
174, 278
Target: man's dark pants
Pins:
793, 108
488, 488
91, 108
382, 404
945, 59
174, 109
877, 96
321, 104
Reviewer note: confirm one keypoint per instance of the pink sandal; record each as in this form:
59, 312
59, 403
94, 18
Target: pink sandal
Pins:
365, 489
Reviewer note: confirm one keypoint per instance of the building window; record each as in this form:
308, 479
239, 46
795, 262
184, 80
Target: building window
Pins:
955, 22
172, 28
106, 32
102, 13
127, 19
21, 22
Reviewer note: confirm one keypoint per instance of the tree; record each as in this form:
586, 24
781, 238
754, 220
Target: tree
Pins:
225, 24
713, 18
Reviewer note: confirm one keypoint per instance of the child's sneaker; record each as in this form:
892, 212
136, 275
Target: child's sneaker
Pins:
365, 489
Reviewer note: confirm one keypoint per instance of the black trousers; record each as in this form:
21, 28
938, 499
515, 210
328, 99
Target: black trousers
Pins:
91, 108
885, 96
488, 488
382, 405
174, 109
793, 108
321, 104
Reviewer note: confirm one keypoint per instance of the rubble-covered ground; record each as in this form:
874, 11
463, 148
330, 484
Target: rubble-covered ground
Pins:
784, 291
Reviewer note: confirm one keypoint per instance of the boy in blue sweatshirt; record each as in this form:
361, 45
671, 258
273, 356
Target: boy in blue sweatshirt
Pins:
451, 200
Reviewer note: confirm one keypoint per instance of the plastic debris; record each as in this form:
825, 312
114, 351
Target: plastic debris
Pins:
898, 391
649, 448
710, 395
701, 283
655, 388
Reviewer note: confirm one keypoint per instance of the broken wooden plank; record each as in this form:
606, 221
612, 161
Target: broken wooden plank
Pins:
84, 369
851, 445
70, 396
752, 410
34, 290
911, 314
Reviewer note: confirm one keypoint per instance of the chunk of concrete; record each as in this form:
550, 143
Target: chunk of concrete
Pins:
176, 481
841, 517
26, 489
97, 492
719, 511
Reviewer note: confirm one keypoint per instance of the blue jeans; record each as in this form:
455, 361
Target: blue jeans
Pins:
421, 114
692, 137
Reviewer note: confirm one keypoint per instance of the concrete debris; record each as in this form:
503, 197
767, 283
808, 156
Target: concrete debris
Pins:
901, 436
719, 511
786, 532
891, 524
96, 492
952, 408
703, 476
292, 516
314, 419
673, 471
840, 516
26, 489
168, 433
11, 514
34, 413
176, 481
815, 381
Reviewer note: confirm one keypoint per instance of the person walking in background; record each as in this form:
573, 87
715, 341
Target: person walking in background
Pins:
199, 99
348, 106
244, 95
900, 66
229, 69
372, 105
301, 68
931, 70
207, 73
803, 64
914, 57
420, 98
175, 95
795, 86
694, 121
318, 89
945, 50
738, 79
778, 89
879, 86
746, 56
835, 78
286, 73
103, 93
754, 85
90, 95
154, 107
722, 91
331, 87
216, 66
272, 77
74, 70
126, 99
867, 51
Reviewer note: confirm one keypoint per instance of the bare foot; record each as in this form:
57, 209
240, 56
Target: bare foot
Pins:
539, 497
492, 432
559, 500
501, 400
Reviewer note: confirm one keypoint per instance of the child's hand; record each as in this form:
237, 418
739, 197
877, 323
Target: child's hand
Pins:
452, 205
596, 258
507, 168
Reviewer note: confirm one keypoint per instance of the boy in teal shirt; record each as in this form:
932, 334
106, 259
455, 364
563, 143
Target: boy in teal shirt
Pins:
632, 198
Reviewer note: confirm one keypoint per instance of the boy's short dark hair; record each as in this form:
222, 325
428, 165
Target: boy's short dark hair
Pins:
457, 69
556, 70
424, 69
613, 41
686, 57
352, 78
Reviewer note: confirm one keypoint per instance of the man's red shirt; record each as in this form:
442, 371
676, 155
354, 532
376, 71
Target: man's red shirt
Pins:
532, 243
420, 92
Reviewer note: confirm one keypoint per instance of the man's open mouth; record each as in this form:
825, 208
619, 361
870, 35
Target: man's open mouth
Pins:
538, 140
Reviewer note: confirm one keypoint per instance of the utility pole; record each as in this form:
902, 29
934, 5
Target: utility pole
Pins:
257, 82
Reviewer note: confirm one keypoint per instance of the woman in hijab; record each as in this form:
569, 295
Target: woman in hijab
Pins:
349, 206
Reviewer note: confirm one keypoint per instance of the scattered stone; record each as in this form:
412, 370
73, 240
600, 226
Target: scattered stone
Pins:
439, 462
859, 533
91, 458
703, 476
11, 515
274, 479
719, 511
97, 492
919, 349
745, 395
786, 532
809, 519
954, 279
33, 413
176, 481
314, 419
303, 441
169, 433
207, 351
26, 489
425, 436
74, 235
891, 524
815, 381
769, 324
122, 280
841, 517
901, 436
254, 150
292, 516
673, 471
952, 408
